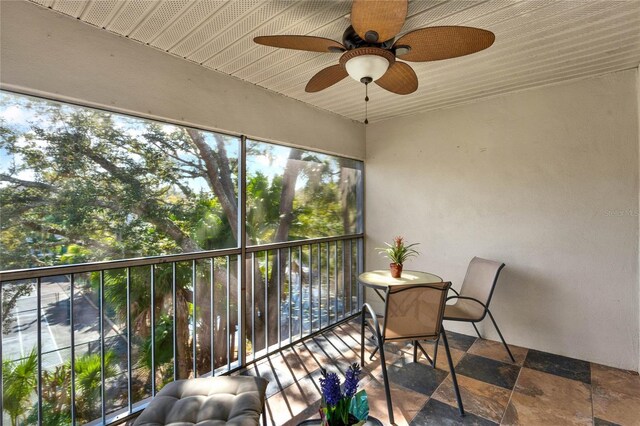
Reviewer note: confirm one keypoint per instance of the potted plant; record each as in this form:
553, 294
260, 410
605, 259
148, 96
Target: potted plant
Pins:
343, 405
398, 253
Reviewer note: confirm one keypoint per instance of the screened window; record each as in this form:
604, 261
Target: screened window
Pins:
294, 194
80, 185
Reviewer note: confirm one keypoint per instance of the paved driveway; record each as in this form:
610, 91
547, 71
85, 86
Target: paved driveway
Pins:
55, 321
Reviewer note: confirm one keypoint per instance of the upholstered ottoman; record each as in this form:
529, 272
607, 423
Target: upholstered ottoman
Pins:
208, 401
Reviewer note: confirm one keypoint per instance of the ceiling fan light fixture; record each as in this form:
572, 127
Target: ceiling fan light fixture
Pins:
367, 64
367, 67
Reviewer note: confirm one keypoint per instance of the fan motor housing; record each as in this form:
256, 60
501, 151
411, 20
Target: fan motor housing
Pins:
367, 51
351, 40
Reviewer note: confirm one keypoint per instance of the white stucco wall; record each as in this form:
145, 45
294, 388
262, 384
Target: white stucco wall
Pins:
544, 180
52, 55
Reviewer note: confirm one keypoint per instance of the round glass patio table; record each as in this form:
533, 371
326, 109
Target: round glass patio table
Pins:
382, 279
371, 421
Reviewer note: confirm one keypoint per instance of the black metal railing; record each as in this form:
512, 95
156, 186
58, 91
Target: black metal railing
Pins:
107, 336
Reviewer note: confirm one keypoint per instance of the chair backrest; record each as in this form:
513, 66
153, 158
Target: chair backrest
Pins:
414, 311
481, 279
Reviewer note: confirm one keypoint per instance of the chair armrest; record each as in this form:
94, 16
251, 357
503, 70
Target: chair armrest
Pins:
455, 291
466, 298
376, 324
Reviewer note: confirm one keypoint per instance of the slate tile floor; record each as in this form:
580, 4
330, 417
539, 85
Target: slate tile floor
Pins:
538, 389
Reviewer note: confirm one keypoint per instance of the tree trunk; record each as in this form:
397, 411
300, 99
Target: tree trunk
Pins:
183, 348
350, 193
289, 179
219, 177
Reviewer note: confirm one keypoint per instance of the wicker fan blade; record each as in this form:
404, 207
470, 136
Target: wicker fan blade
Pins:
308, 43
326, 78
435, 43
378, 21
399, 78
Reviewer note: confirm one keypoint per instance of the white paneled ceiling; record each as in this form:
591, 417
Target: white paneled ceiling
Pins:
538, 42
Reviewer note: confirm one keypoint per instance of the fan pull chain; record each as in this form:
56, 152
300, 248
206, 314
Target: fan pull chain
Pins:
366, 100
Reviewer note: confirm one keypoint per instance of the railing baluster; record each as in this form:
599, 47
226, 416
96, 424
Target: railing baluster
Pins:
266, 301
253, 305
279, 300
241, 311
129, 370
152, 308
301, 275
290, 288
174, 323
102, 352
300, 280
39, 343
1, 346
350, 276
212, 318
1, 343
360, 270
350, 293
240, 330
300, 294
72, 322
228, 316
319, 286
335, 280
328, 285
212, 323
310, 289
289, 295
195, 310
344, 282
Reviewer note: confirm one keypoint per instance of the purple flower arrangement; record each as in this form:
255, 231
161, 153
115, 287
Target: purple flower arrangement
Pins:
343, 405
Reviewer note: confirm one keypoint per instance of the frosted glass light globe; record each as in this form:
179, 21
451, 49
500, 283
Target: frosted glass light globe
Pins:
372, 66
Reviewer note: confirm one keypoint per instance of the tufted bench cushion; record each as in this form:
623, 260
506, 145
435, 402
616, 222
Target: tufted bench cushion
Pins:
207, 401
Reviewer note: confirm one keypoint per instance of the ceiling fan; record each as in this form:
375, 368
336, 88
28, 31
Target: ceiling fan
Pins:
370, 52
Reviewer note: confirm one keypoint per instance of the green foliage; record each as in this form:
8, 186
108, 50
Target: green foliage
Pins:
88, 383
210, 229
398, 252
78, 185
56, 398
51, 415
163, 343
74, 253
263, 207
10, 296
56, 390
359, 406
318, 212
112, 187
103, 186
337, 415
18, 384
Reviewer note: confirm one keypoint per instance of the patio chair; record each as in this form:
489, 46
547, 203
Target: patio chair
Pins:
412, 312
472, 302
222, 400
